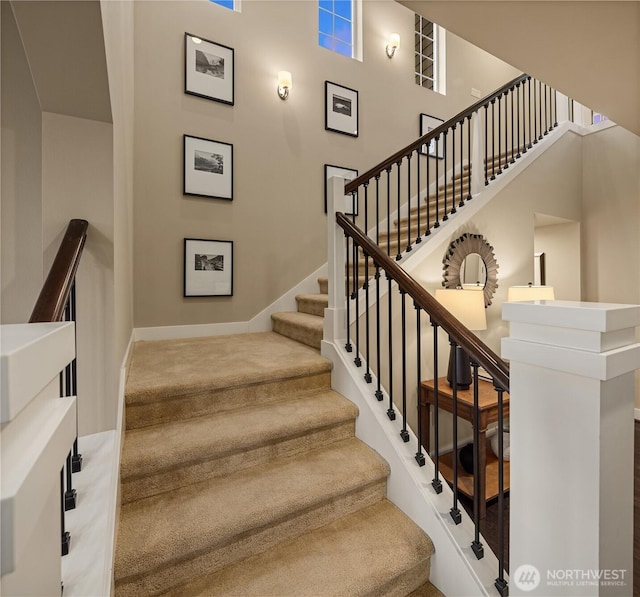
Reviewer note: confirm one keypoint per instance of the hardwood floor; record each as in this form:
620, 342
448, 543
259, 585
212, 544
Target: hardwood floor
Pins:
489, 527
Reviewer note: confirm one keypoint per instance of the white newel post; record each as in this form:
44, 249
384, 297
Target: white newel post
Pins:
335, 314
572, 434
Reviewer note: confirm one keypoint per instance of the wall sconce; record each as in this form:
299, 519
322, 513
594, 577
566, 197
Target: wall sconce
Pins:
284, 84
393, 44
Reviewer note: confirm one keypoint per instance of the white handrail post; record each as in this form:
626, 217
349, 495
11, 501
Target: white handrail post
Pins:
477, 155
334, 319
571, 446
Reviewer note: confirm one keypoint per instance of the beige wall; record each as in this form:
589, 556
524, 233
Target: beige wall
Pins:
276, 218
21, 206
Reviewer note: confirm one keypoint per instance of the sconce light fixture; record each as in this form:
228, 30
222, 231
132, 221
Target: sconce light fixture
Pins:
284, 84
393, 44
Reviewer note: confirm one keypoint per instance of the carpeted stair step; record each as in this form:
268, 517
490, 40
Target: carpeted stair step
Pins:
313, 304
323, 283
179, 379
168, 540
166, 457
301, 327
375, 551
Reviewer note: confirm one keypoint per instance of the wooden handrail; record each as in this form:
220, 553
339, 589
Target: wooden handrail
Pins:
55, 291
352, 186
475, 348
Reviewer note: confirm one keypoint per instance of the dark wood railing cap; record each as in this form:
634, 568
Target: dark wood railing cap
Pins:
55, 291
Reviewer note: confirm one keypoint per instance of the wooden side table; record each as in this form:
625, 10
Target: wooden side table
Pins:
488, 463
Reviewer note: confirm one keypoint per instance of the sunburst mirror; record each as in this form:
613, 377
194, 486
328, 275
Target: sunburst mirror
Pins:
470, 262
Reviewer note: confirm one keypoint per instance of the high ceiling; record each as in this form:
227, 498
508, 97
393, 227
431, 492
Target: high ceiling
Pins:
589, 51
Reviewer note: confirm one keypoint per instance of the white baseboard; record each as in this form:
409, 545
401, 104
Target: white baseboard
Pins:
260, 323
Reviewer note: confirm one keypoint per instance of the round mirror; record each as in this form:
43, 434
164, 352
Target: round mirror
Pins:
470, 262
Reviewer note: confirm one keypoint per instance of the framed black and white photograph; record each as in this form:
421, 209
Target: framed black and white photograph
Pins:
208, 70
340, 109
208, 168
350, 204
208, 267
435, 148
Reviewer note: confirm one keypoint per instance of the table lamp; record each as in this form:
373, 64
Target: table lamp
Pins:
468, 307
530, 293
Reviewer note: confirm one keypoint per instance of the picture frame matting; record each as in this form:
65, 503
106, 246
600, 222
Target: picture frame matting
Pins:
208, 267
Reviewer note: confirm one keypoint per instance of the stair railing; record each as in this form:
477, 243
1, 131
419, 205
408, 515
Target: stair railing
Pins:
381, 341
57, 302
425, 183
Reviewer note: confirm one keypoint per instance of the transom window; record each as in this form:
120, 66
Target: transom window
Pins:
230, 4
426, 53
335, 26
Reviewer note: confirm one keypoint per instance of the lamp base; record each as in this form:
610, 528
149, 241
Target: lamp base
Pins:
462, 372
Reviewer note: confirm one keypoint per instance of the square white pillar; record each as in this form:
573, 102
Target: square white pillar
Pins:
572, 434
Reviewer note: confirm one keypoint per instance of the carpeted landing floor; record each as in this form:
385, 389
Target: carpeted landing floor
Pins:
241, 475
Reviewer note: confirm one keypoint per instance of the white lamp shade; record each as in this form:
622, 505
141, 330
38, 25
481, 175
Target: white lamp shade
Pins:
394, 41
284, 79
530, 293
465, 305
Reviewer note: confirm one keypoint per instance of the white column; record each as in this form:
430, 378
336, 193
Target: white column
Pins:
335, 314
572, 433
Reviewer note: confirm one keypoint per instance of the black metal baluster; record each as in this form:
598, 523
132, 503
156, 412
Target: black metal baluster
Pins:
476, 545
378, 393
535, 115
428, 200
461, 204
469, 196
399, 255
377, 177
356, 290
390, 412
546, 116
419, 455
501, 584
367, 375
540, 109
453, 168
513, 159
499, 134
389, 211
486, 144
404, 434
506, 132
65, 536
518, 154
493, 140
444, 151
530, 124
348, 347
455, 511
76, 459
555, 108
524, 123
418, 230
409, 247
437, 223
70, 493
435, 483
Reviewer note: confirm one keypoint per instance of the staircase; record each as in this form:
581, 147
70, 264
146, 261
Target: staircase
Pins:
241, 475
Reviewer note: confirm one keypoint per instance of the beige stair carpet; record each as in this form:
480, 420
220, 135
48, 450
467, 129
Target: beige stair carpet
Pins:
241, 475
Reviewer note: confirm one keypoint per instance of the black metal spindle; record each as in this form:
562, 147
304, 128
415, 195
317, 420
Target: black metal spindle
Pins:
408, 247
518, 154
399, 255
65, 535
428, 200
453, 168
486, 144
523, 120
389, 211
404, 434
70, 493
444, 151
493, 140
476, 545
499, 134
546, 115
418, 228
555, 108
76, 459
501, 583
420, 459
378, 393
435, 483
367, 375
529, 120
461, 166
540, 109
348, 346
356, 291
535, 115
377, 178
390, 412
513, 158
437, 223
469, 196
456, 516
506, 132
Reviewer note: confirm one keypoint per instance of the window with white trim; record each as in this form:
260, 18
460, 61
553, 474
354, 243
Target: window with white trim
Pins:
336, 26
429, 54
230, 4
